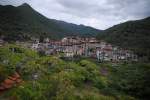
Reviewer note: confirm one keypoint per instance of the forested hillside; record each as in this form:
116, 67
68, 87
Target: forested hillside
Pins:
134, 35
23, 22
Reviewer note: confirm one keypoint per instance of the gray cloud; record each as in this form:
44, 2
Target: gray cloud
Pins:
13, 2
97, 13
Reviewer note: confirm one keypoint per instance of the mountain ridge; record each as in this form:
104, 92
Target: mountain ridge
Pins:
23, 21
134, 35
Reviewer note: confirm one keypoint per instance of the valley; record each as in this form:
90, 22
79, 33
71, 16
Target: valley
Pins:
48, 59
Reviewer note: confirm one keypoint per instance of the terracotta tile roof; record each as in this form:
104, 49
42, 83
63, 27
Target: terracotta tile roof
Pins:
10, 82
16, 75
12, 78
8, 86
19, 80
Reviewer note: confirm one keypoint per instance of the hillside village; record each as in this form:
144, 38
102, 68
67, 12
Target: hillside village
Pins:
70, 47
26, 73
88, 47
52, 50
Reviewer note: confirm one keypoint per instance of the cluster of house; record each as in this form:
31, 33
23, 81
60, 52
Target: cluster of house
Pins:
89, 47
107, 52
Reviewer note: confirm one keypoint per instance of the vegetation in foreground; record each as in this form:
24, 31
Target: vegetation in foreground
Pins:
51, 78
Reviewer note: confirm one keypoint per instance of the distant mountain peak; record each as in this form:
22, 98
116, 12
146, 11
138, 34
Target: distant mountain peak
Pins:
25, 21
148, 18
25, 5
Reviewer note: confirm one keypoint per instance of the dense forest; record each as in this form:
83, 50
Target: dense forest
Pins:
52, 78
133, 35
23, 22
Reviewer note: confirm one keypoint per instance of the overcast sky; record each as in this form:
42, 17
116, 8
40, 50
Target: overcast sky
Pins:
100, 14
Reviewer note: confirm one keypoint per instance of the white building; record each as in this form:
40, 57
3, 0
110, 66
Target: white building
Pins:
35, 46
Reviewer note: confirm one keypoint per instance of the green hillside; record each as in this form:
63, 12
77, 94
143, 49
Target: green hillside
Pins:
52, 78
134, 35
23, 22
